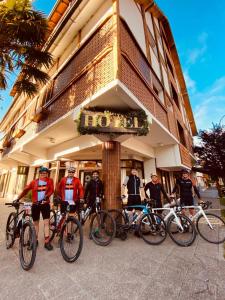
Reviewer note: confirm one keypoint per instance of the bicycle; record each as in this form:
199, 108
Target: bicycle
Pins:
180, 228
209, 226
69, 231
150, 226
19, 225
102, 225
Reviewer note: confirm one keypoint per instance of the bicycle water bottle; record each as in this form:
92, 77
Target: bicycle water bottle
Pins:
135, 215
82, 214
87, 211
58, 217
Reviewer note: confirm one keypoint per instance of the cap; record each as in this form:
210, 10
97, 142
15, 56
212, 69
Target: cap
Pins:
185, 171
43, 169
71, 170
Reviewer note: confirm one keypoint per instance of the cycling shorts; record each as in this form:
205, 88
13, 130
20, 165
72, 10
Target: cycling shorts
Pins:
133, 200
44, 209
187, 201
64, 204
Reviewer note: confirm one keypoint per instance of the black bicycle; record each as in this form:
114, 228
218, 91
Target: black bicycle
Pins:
69, 231
20, 225
102, 224
148, 225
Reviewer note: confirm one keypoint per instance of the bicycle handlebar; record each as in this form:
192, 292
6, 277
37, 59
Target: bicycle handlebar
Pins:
14, 203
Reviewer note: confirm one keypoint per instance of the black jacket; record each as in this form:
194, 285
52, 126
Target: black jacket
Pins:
155, 191
133, 185
185, 187
93, 189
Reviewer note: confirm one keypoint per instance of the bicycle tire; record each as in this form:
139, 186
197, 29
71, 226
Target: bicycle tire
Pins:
176, 232
52, 225
105, 224
119, 218
11, 218
65, 240
156, 229
32, 245
206, 238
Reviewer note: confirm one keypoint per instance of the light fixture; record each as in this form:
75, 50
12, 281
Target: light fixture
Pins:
51, 140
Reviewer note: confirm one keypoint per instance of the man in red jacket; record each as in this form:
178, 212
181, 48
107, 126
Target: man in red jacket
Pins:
42, 188
70, 191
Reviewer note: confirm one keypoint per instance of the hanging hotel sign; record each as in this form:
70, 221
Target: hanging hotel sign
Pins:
108, 122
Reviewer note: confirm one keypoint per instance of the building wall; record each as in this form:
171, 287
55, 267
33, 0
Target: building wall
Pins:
92, 67
131, 13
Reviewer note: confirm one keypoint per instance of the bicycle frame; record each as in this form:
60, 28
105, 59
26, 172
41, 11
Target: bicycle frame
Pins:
172, 212
97, 209
199, 213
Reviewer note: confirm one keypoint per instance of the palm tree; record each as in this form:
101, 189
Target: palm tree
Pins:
23, 33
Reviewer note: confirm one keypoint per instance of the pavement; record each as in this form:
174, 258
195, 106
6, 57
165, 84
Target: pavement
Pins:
128, 269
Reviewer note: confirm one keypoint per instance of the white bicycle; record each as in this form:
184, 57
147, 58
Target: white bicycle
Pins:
209, 226
179, 227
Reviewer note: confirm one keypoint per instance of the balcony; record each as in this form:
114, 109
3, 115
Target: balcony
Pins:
185, 156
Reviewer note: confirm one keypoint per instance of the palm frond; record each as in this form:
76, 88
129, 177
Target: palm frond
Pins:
24, 86
32, 73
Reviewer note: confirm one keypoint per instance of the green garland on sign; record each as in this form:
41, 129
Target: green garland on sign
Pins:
120, 116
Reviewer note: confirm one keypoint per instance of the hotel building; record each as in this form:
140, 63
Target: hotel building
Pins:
112, 55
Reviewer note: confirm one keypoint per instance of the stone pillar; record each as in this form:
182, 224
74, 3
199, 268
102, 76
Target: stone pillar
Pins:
111, 174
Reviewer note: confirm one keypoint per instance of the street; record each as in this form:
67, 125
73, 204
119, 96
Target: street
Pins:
128, 269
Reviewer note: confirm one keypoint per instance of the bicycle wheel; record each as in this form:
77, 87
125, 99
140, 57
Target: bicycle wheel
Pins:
27, 245
215, 231
152, 229
71, 239
10, 230
52, 225
183, 236
119, 218
102, 228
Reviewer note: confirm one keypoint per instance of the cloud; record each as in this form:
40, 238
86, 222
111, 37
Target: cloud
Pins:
209, 105
190, 83
198, 52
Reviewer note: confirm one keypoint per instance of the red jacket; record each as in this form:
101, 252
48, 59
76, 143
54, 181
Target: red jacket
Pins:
33, 186
78, 191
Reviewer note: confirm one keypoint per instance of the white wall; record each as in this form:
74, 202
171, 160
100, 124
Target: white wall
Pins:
10, 193
132, 15
155, 64
149, 22
139, 147
167, 156
149, 168
166, 80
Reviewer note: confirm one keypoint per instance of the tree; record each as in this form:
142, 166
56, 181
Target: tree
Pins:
23, 32
211, 152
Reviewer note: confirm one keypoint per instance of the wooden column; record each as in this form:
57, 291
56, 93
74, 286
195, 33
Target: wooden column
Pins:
111, 174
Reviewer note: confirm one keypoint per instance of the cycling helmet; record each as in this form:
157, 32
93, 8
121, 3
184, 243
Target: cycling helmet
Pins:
43, 169
71, 170
185, 171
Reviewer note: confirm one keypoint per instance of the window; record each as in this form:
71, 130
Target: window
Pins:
175, 96
169, 65
181, 134
153, 44
158, 89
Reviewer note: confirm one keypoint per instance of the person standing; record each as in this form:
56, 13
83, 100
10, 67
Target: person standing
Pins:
155, 188
42, 188
185, 185
133, 184
70, 191
93, 190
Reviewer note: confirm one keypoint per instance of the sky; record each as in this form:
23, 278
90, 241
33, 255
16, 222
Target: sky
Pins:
198, 29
